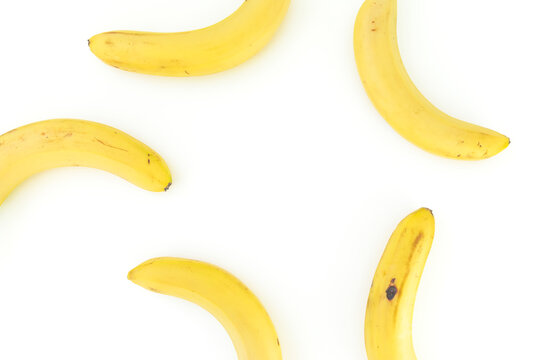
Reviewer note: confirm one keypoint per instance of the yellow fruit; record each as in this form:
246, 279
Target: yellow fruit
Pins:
221, 294
399, 101
219, 47
49, 144
389, 313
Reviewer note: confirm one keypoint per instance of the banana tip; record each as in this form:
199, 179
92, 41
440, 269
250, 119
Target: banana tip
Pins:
168, 186
426, 209
130, 275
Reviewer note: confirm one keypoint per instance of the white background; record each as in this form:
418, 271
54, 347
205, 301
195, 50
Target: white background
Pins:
284, 174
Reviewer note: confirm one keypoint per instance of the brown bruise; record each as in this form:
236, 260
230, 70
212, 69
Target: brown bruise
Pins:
392, 290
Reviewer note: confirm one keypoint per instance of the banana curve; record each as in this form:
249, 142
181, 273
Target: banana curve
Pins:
400, 103
220, 293
389, 312
215, 48
49, 144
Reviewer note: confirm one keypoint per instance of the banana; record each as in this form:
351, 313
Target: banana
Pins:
220, 293
48, 144
399, 101
389, 312
204, 51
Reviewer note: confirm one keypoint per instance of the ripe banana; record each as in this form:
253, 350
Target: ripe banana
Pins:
399, 101
389, 313
220, 293
208, 50
48, 144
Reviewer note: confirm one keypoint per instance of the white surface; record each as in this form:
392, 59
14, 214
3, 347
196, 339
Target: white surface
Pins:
284, 174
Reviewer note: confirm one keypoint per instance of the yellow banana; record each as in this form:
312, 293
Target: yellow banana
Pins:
209, 50
220, 293
48, 144
399, 101
389, 313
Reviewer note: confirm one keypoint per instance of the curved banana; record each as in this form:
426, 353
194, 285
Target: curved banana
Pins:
209, 50
398, 100
220, 293
389, 313
48, 144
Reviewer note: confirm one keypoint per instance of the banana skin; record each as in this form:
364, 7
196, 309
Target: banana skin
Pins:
389, 312
220, 293
48, 144
398, 100
216, 48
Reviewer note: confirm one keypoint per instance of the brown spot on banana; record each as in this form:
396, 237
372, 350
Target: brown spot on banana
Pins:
392, 290
111, 146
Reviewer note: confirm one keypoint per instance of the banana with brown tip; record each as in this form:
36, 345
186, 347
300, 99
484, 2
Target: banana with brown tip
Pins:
399, 101
389, 313
49, 144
